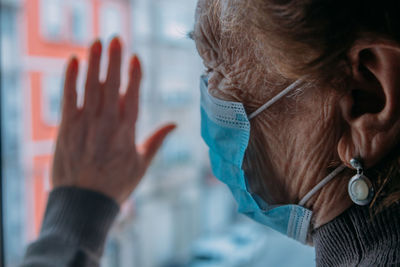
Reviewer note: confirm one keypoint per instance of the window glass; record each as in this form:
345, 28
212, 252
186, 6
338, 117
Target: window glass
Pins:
111, 22
180, 215
51, 102
52, 19
174, 19
80, 21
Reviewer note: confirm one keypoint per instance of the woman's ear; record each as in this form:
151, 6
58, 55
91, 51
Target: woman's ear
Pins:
371, 107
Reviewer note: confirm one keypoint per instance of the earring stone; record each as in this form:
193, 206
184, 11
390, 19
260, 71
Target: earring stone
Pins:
360, 188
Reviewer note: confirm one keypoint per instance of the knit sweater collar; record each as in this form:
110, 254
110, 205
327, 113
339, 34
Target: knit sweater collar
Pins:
354, 239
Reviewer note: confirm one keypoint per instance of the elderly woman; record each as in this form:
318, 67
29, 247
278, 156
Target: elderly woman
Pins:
300, 108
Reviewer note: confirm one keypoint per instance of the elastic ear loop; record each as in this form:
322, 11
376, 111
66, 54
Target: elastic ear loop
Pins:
275, 98
321, 184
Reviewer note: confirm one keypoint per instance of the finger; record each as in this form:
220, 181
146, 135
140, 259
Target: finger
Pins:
154, 142
131, 98
113, 79
92, 87
70, 96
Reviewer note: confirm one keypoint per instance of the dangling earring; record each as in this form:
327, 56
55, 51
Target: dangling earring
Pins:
360, 187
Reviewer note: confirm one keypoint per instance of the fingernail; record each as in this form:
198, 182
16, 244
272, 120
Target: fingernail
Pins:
96, 46
136, 61
173, 127
74, 62
133, 61
115, 42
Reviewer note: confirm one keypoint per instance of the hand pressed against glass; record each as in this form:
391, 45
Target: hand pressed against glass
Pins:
96, 146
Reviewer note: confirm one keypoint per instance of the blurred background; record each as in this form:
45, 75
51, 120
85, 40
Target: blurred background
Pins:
180, 215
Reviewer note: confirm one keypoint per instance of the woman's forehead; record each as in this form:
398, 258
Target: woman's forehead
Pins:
242, 68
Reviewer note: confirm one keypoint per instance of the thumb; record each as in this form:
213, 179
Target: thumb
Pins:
150, 147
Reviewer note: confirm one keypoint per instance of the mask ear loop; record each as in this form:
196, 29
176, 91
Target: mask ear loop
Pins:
276, 98
321, 184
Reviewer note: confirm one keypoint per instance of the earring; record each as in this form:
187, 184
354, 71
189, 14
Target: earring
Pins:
360, 187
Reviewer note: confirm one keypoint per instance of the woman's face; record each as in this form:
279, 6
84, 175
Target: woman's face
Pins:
294, 141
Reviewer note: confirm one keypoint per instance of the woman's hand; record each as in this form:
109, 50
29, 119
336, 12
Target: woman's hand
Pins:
96, 146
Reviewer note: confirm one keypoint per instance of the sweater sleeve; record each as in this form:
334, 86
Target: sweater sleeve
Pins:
74, 229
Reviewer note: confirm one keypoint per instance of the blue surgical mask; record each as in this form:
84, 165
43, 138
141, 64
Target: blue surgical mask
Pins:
225, 127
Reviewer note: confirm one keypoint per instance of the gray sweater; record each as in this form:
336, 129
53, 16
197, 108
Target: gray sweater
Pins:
356, 239
74, 229
77, 221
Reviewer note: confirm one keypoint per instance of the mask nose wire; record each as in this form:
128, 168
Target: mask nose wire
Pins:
275, 98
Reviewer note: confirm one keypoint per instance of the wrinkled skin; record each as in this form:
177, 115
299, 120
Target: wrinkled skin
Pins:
295, 140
